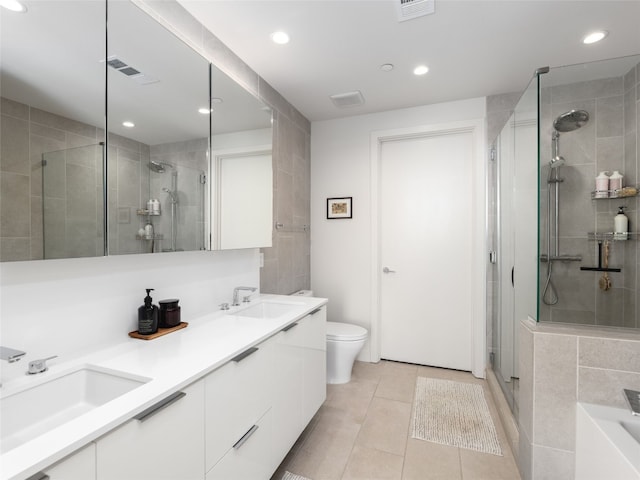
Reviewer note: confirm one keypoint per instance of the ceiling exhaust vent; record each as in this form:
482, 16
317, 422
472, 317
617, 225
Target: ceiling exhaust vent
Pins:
408, 9
117, 64
349, 99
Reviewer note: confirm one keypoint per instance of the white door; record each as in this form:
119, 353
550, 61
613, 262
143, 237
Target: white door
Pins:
426, 243
244, 199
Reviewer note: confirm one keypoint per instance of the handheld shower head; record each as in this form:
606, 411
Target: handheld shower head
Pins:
174, 197
556, 161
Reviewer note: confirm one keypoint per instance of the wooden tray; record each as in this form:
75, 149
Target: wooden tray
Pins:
159, 333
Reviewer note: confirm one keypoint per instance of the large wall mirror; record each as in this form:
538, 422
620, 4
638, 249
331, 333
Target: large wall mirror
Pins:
188, 151
52, 86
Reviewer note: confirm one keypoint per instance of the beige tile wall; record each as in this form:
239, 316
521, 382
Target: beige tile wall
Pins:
560, 366
287, 263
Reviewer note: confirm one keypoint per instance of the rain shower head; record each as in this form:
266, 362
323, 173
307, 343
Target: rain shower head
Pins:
571, 120
158, 167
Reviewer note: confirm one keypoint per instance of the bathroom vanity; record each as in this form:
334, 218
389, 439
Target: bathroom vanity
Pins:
225, 398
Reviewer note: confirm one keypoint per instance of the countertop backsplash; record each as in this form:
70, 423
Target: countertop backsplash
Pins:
70, 307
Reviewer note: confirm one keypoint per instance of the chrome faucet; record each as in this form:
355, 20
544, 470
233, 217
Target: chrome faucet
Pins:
11, 355
40, 365
237, 290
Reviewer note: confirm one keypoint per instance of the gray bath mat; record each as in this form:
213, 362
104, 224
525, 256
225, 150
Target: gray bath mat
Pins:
454, 413
293, 476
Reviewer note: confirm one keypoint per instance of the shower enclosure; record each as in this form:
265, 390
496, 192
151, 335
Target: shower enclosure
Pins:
558, 259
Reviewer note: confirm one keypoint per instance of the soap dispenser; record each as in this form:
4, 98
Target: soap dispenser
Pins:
621, 223
148, 316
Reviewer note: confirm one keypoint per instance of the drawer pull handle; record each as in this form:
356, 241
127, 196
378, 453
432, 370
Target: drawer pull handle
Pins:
39, 476
289, 327
245, 437
245, 354
161, 405
315, 311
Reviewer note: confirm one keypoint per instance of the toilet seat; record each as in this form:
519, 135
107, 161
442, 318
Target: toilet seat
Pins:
345, 332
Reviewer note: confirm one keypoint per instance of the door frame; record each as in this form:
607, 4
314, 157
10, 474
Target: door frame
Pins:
479, 230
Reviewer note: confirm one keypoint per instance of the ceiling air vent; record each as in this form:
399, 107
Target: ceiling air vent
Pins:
408, 9
117, 64
349, 99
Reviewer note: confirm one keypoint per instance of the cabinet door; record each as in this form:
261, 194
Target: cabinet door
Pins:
251, 457
288, 381
237, 395
80, 465
315, 363
300, 378
166, 444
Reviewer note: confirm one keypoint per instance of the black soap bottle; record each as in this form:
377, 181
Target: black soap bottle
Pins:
147, 316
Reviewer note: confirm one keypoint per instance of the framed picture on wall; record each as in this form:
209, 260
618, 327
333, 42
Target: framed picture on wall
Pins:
339, 208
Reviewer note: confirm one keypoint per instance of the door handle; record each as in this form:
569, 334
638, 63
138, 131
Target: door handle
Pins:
388, 270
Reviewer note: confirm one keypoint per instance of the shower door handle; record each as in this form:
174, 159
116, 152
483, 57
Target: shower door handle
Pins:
512, 276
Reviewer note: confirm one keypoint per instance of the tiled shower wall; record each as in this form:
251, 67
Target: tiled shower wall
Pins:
27, 133
607, 142
287, 263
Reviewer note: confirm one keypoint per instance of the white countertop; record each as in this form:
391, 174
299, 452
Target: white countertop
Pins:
171, 362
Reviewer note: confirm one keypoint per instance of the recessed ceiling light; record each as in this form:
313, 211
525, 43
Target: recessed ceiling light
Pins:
13, 5
420, 70
128, 124
204, 110
594, 37
280, 37
387, 67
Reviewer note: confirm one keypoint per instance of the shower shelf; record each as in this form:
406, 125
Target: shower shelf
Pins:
601, 236
616, 194
146, 213
157, 236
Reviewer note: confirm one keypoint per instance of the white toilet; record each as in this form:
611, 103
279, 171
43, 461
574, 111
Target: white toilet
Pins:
344, 342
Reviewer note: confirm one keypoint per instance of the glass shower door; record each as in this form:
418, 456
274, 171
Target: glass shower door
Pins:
72, 202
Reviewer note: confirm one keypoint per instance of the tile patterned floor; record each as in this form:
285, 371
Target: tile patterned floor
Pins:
362, 433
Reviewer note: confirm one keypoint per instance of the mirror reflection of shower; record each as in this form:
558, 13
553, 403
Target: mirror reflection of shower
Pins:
172, 195
567, 122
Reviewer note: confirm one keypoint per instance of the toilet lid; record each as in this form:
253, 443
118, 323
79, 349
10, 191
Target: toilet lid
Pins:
345, 331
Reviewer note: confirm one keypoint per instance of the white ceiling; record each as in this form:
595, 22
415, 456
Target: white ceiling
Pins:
473, 48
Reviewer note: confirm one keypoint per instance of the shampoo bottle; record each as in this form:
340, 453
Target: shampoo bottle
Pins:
147, 316
621, 223
615, 183
602, 185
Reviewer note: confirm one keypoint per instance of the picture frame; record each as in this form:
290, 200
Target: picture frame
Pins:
339, 207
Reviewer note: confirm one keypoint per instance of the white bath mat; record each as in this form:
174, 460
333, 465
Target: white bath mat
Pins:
454, 413
293, 476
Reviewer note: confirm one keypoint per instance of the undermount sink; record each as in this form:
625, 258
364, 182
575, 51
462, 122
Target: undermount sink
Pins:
34, 410
267, 309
